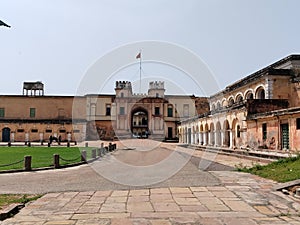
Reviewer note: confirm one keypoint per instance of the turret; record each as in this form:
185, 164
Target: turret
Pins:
123, 89
156, 89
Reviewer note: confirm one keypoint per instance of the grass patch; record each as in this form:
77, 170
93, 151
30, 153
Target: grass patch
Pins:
283, 170
41, 156
7, 199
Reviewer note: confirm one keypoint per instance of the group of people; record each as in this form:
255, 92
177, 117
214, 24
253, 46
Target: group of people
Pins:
53, 138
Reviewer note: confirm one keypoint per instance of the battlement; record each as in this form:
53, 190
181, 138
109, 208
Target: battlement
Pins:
140, 95
157, 85
123, 85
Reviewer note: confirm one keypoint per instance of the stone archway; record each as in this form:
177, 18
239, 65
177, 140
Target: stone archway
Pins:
140, 123
236, 133
227, 131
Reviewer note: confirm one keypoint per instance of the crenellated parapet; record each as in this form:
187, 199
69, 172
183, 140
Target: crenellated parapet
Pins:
123, 89
156, 89
123, 85
143, 95
157, 85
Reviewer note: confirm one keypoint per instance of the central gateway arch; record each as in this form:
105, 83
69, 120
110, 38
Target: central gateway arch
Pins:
140, 122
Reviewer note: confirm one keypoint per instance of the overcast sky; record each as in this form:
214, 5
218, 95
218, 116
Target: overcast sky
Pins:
57, 41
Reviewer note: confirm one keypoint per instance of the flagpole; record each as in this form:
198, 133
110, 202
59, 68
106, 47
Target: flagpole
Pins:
140, 71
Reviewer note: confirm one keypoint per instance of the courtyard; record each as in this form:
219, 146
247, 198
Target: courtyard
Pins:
215, 195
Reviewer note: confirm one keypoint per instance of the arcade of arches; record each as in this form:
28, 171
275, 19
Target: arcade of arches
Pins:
227, 133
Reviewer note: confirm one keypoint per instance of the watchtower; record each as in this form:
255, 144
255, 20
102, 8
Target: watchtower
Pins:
123, 89
33, 87
156, 89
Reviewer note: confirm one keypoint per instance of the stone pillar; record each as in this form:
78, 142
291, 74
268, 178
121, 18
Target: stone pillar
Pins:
269, 88
69, 137
204, 138
230, 139
26, 137
200, 138
216, 138
41, 137
212, 137
12, 137
222, 137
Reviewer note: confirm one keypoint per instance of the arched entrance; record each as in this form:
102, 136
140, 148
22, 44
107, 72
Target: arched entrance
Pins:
6, 134
139, 123
226, 134
235, 133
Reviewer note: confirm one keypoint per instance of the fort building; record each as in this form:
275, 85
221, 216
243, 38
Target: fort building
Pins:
260, 111
34, 116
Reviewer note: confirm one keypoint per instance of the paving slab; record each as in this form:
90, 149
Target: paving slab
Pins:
221, 197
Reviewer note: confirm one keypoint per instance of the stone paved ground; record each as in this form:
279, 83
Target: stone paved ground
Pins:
236, 198
241, 199
84, 178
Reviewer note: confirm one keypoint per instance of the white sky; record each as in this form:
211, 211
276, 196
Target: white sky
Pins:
56, 41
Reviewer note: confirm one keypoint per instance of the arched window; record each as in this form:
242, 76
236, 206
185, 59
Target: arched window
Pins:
239, 98
230, 102
260, 93
224, 103
213, 107
249, 95
218, 105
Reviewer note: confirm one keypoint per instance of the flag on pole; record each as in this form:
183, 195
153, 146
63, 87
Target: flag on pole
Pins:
138, 56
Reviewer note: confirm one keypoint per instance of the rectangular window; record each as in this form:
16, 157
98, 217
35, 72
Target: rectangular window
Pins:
2, 112
122, 110
48, 131
170, 111
156, 111
298, 123
32, 112
107, 110
34, 130
76, 131
20, 130
264, 131
185, 110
